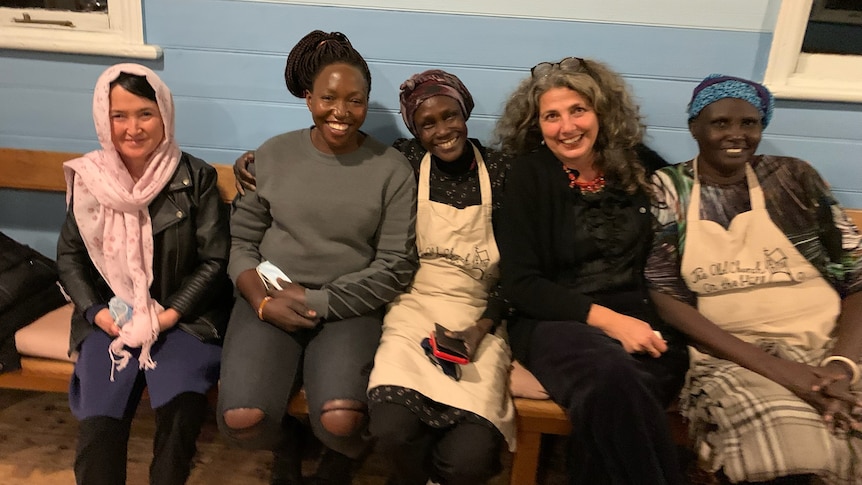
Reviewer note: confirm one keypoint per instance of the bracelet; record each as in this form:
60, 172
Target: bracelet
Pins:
853, 366
263, 303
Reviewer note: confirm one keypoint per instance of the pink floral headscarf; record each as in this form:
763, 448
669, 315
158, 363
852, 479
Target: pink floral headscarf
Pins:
112, 213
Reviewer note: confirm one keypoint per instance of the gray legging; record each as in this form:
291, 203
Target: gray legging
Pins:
261, 365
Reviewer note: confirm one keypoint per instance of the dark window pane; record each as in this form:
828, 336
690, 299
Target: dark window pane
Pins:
835, 27
73, 5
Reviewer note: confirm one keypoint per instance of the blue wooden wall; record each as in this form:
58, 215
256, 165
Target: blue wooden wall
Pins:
224, 61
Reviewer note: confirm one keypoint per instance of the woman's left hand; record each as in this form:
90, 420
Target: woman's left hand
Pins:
294, 313
636, 336
810, 383
472, 337
842, 410
168, 318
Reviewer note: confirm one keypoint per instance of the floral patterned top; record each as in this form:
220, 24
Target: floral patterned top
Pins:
797, 199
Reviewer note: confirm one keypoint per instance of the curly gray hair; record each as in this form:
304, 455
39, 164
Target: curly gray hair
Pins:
620, 126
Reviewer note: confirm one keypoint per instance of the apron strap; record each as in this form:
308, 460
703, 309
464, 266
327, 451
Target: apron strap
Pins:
755, 193
425, 177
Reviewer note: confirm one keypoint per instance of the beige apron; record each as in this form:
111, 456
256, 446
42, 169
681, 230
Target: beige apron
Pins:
458, 265
751, 281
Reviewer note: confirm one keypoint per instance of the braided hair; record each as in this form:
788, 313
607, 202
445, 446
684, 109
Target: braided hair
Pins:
314, 52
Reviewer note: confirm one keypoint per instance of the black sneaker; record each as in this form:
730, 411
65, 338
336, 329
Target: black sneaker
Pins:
333, 469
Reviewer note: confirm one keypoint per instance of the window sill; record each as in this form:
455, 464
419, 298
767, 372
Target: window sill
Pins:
820, 77
89, 43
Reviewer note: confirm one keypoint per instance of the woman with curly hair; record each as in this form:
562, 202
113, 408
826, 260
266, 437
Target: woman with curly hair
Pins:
574, 234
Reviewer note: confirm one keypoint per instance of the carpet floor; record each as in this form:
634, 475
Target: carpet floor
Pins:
37, 447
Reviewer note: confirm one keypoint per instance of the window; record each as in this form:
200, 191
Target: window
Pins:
76, 26
816, 72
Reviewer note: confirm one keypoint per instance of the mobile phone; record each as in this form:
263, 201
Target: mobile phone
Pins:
270, 274
448, 348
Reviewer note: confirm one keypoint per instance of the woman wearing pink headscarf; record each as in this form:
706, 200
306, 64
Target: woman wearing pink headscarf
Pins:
142, 255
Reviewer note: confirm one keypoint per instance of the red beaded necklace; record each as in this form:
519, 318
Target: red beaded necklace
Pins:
593, 186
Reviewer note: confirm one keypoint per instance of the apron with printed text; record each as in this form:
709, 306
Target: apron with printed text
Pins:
751, 281
458, 266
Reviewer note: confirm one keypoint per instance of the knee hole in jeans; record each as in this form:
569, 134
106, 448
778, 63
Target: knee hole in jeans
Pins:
343, 417
244, 421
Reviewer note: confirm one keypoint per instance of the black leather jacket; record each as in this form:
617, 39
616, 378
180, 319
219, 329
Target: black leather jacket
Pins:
191, 239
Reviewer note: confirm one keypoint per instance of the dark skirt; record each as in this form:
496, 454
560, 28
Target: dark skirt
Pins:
183, 364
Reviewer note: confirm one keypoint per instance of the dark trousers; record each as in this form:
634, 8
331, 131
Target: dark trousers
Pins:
100, 458
462, 454
263, 365
616, 402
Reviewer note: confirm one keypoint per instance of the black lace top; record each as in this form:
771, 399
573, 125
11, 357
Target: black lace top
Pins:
457, 183
563, 250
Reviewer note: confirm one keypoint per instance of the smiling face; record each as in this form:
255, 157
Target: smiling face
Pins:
569, 126
137, 128
727, 133
441, 127
338, 103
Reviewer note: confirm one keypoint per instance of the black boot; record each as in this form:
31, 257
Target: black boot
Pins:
334, 469
287, 456
100, 458
178, 424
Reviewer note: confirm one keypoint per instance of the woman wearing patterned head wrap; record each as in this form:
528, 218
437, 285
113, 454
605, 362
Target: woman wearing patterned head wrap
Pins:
430, 425
144, 224
445, 427
761, 268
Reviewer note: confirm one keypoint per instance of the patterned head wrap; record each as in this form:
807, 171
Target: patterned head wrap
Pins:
718, 86
428, 84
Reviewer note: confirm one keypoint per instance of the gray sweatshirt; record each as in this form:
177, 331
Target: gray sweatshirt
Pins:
342, 225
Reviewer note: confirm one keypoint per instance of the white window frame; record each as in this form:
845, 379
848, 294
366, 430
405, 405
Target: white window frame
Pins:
794, 74
120, 33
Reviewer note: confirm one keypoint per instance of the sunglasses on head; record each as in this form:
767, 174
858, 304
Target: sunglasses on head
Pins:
567, 64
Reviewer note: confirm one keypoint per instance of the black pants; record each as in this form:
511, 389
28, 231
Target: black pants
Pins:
463, 454
100, 458
616, 402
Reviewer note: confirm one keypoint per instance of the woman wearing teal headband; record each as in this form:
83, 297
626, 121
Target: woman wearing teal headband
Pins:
758, 264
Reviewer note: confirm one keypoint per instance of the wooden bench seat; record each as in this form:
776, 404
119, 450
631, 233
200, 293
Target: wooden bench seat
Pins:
43, 344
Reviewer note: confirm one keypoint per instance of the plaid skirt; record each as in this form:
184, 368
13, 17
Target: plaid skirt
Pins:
757, 430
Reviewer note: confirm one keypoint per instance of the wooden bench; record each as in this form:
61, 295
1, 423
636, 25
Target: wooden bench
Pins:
42, 171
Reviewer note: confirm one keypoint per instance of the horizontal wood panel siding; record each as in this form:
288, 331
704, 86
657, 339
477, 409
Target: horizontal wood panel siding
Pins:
224, 61
416, 38
752, 15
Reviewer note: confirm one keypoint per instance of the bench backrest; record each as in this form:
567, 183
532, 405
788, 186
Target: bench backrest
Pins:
41, 170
